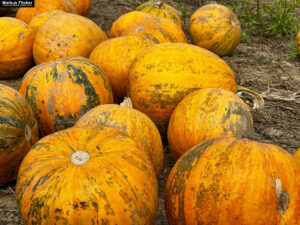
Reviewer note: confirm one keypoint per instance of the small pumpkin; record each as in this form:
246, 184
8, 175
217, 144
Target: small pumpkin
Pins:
40, 19
135, 124
40, 6
233, 181
216, 28
87, 175
66, 35
114, 57
82, 6
205, 114
61, 91
159, 30
126, 20
158, 8
298, 43
18, 132
16, 41
297, 156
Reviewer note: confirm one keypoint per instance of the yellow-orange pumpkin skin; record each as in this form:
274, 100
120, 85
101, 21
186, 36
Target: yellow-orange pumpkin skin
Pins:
161, 10
40, 19
215, 27
18, 132
40, 6
205, 114
297, 156
298, 43
82, 6
115, 56
87, 175
135, 124
60, 92
159, 30
66, 35
16, 40
163, 74
126, 20
229, 181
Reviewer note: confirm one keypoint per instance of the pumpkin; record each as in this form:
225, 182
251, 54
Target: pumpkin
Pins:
126, 20
133, 123
205, 114
159, 30
61, 91
158, 8
163, 74
66, 35
40, 6
87, 175
216, 28
298, 43
115, 56
297, 156
16, 40
40, 19
18, 132
82, 6
233, 181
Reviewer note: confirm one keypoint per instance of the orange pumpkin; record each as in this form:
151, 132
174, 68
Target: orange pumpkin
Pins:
163, 74
160, 9
205, 114
231, 182
66, 35
126, 20
61, 91
133, 123
297, 156
40, 6
115, 56
159, 30
40, 19
215, 27
82, 6
16, 40
87, 175
18, 132
298, 43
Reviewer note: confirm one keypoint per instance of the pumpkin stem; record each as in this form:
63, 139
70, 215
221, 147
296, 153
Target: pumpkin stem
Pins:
158, 3
79, 158
258, 100
27, 132
127, 102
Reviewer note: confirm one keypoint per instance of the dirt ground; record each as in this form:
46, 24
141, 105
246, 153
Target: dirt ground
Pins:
262, 64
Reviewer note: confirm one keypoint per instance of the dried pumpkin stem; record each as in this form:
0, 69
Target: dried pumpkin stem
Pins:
258, 100
158, 3
127, 102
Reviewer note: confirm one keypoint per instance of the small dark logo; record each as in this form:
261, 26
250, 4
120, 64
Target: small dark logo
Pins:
16, 3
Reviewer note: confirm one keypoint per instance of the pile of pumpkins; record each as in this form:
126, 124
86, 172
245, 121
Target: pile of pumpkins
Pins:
97, 162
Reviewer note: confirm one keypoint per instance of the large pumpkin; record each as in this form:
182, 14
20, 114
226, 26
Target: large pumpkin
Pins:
82, 6
126, 20
133, 123
40, 6
61, 91
18, 132
231, 182
205, 114
115, 56
215, 27
87, 175
16, 40
163, 74
66, 35
159, 30
298, 43
158, 8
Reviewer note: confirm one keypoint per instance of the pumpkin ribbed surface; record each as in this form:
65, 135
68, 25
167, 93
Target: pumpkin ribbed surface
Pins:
115, 56
215, 27
162, 10
297, 156
66, 35
60, 92
228, 181
18, 132
163, 74
40, 6
133, 123
87, 175
82, 6
205, 114
159, 30
16, 40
